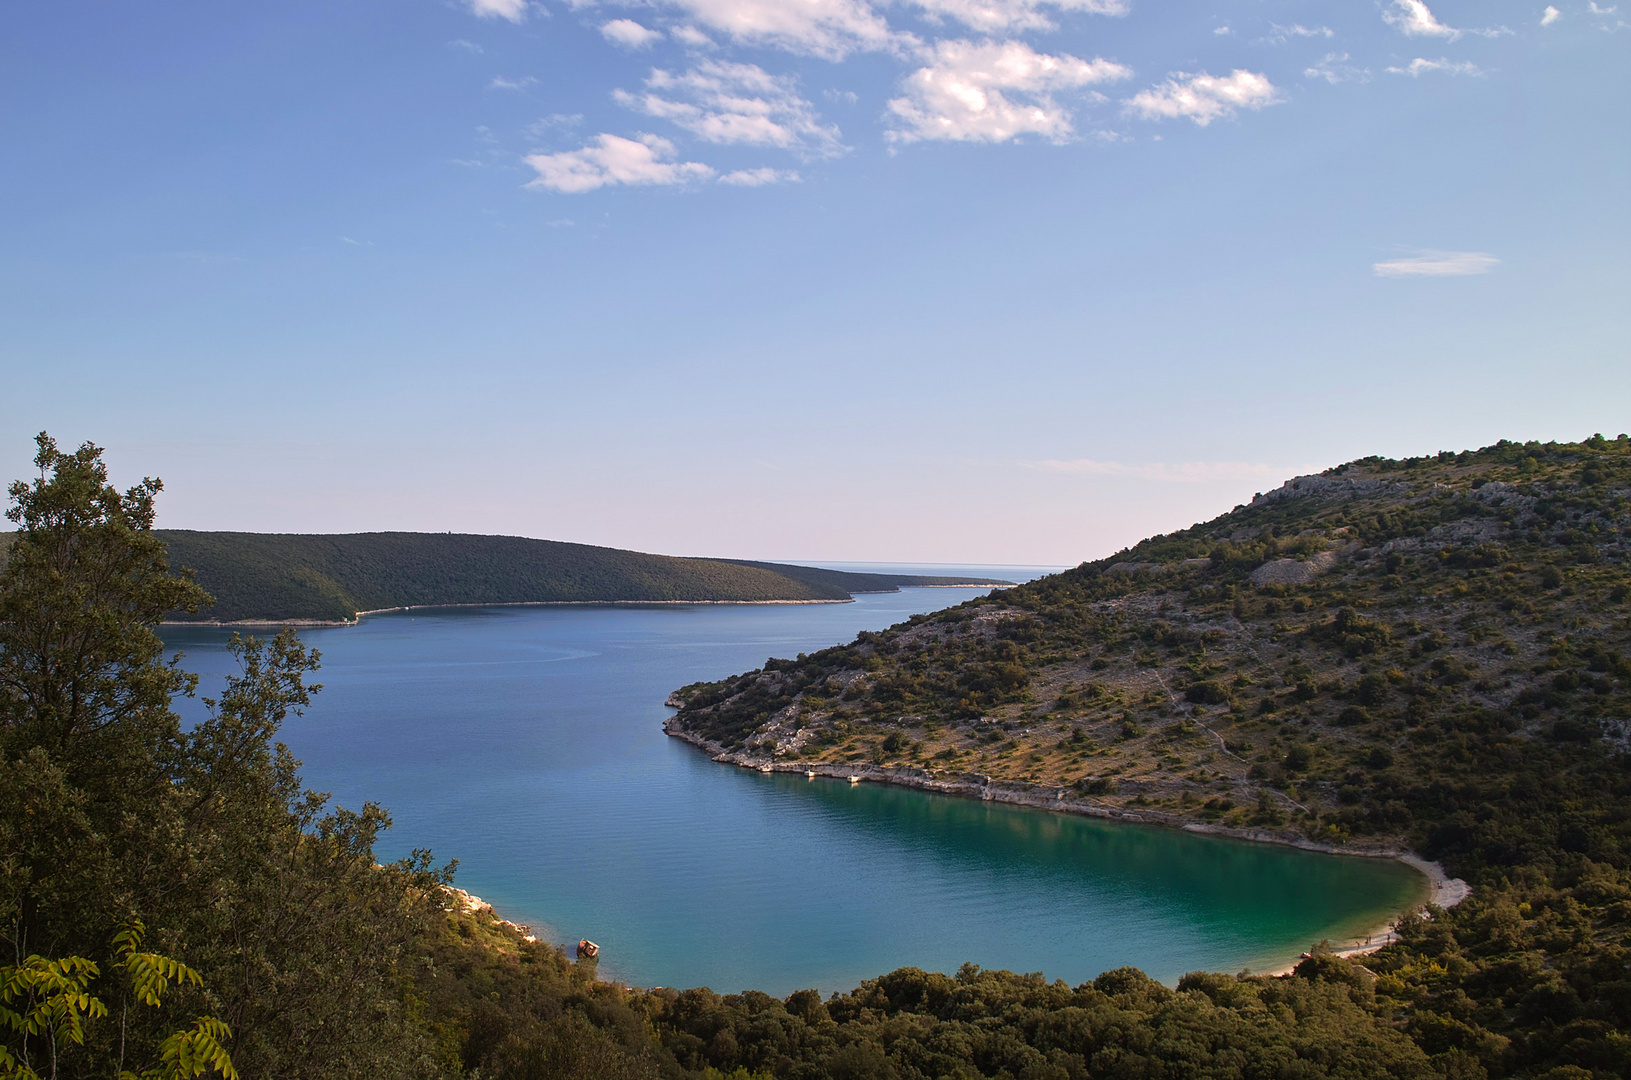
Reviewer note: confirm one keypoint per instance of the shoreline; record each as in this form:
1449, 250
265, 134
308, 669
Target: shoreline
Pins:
560, 603
471, 904
1442, 890
506, 603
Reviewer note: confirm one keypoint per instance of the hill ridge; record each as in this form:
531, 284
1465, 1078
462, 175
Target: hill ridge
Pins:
1226, 673
310, 578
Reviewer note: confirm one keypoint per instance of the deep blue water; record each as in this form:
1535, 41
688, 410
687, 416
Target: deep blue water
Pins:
527, 742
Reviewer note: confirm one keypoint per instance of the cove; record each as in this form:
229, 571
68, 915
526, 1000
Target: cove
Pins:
527, 743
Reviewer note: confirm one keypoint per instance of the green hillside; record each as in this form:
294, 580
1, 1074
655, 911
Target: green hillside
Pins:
851, 582
1432, 653
261, 576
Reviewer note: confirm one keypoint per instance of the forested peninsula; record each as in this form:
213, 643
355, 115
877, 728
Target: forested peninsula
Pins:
1430, 652
285, 577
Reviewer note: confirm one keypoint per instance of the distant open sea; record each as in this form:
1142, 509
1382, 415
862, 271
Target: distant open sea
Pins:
527, 742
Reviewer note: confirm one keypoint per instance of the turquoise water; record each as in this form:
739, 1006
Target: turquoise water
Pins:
527, 742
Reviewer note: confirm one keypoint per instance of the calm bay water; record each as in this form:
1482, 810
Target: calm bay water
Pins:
527, 743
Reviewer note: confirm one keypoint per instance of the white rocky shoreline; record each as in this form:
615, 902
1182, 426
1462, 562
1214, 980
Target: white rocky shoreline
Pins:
510, 603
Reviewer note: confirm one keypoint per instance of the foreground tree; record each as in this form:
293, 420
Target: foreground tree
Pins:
111, 812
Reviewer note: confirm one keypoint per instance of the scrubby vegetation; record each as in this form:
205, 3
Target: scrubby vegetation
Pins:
1467, 697
261, 576
1432, 653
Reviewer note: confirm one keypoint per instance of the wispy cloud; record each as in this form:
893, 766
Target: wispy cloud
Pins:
513, 10
1005, 16
501, 83
1336, 69
1203, 98
629, 34
465, 46
692, 37
555, 120
1611, 22
1550, 15
736, 103
759, 177
1438, 264
1279, 35
1184, 472
992, 92
830, 29
1421, 66
610, 159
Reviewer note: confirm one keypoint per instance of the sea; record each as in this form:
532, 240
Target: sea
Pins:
527, 743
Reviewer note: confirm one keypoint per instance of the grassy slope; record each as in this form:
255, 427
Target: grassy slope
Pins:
284, 576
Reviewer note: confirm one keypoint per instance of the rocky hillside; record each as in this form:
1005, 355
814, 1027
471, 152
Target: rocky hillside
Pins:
1432, 653
1360, 657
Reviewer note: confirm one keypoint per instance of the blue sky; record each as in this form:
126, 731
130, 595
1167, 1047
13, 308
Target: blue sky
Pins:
938, 280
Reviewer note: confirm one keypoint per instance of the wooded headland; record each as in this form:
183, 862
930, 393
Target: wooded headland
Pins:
288, 577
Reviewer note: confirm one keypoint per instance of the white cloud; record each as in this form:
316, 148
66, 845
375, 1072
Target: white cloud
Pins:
466, 46
1420, 65
759, 177
1437, 264
726, 102
831, 29
629, 34
1414, 19
1282, 34
1000, 16
513, 10
967, 92
610, 159
1204, 98
501, 83
1336, 69
1184, 472
1550, 15
1222, 30
690, 35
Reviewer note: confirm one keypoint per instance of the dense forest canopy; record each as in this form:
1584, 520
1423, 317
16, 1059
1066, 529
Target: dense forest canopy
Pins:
130, 845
